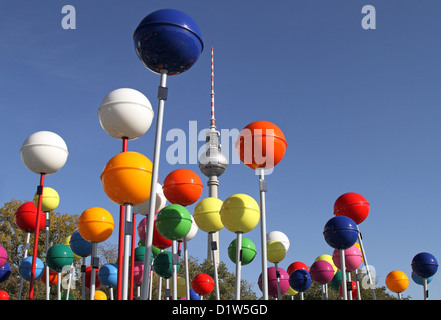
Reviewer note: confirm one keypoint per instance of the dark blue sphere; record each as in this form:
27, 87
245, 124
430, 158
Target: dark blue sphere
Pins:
108, 275
79, 245
300, 280
5, 272
424, 265
168, 39
340, 232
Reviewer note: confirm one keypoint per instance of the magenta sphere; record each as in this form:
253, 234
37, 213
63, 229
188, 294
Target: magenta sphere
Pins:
138, 270
272, 281
321, 272
141, 229
353, 258
3, 256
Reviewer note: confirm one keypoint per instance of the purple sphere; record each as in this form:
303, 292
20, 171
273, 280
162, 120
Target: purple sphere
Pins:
321, 272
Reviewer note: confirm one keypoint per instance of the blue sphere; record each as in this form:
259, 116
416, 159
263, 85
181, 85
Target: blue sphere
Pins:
25, 268
194, 295
300, 280
424, 265
340, 232
418, 280
108, 275
5, 272
79, 245
168, 39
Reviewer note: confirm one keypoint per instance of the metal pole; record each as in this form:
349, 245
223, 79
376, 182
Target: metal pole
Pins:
37, 230
132, 259
83, 279
187, 275
214, 255
238, 263
128, 212
262, 190
46, 268
279, 293
59, 286
119, 280
28, 235
93, 271
363, 253
343, 274
162, 96
426, 291
175, 261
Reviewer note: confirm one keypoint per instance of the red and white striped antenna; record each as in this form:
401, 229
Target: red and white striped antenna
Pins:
212, 122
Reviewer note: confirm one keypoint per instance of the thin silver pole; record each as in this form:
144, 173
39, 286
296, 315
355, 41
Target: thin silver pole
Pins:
238, 263
187, 275
279, 293
174, 270
46, 269
28, 235
262, 190
214, 255
363, 253
152, 203
343, 274
93, 271
426, 291
127, 237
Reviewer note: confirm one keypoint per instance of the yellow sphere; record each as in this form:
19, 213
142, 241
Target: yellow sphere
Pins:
328, 258
99, 295
182, 292
397, 281
276, 251
50, 199
127, 178
95, 224
207, 215
291, 292
67, 243
240, 213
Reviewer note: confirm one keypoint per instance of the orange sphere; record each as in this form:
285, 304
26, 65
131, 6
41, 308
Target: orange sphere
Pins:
53, 277
261, 144
127, 178
182, 186
95, 224
397, 281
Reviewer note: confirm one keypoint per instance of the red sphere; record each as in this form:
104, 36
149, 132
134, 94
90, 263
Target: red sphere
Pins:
182, 186
352, 205
261, 144
26, 216
4, 295
296, 265
202, 284
89, 277
53, 277
354, 291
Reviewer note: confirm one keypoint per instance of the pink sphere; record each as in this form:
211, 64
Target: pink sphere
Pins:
3, 256
138, 270
353, 258
321, 272
272, 281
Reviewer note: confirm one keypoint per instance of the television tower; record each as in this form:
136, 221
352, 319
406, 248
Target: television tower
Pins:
212, 162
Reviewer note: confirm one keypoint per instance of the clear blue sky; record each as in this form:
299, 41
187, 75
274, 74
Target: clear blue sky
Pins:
360, 110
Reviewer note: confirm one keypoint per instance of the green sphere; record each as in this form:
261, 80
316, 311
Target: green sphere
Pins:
163, 265
140, 253
173, 222
59, 256
248, 251
336, 281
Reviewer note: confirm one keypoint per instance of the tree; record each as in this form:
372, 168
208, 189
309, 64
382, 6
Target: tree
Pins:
13, 239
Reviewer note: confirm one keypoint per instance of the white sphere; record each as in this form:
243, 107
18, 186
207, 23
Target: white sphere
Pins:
278, 236
126, 113
193, 230
161, 200
44, 152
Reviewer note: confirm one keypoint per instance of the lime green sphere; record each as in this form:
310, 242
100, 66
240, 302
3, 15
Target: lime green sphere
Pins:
173, 222
248, 251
